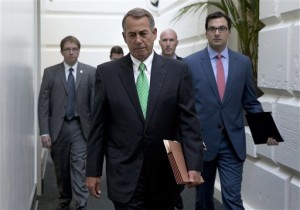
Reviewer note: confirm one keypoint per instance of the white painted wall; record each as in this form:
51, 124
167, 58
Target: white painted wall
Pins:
18, 60
272, 178
271, 174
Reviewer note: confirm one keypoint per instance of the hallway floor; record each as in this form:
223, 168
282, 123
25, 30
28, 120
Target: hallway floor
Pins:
49, 200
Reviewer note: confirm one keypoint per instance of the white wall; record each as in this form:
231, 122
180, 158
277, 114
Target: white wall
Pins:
271, 174
272, 178
17, 105
97, 25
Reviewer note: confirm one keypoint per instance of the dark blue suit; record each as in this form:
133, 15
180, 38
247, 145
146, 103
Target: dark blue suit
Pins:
222, 125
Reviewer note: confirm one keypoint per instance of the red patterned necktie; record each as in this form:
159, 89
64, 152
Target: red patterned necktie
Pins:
220, 76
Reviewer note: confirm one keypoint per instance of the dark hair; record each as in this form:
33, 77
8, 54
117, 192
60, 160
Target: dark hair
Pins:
71, 39
217, 15
117, 50
139, 13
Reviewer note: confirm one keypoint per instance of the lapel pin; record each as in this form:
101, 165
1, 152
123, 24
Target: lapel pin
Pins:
81, 71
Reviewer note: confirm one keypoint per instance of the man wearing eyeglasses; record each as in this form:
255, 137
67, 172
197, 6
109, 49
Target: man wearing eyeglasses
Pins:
64, 112
224, 87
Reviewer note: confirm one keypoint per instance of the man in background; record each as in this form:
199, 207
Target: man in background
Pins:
168, 43
140, 100
64, 113
116, 52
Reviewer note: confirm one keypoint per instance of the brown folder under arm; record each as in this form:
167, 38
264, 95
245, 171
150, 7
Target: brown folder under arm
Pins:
177, 161
262, 126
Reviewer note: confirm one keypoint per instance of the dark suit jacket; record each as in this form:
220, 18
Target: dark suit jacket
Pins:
53, 98
179, 58
239, 95
128, 141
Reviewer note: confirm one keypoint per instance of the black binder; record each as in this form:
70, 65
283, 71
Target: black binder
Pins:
262, 126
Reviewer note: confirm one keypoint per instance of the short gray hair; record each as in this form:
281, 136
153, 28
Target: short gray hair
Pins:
139, 13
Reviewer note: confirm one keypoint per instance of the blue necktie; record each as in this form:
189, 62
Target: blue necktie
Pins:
70, 113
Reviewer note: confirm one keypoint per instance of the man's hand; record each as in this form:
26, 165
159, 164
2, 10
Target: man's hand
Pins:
272, 142
46, 141
93, 185
195, 179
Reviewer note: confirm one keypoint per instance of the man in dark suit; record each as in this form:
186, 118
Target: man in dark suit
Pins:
168, 42
64, 112
116, 52
220, 103
130, 135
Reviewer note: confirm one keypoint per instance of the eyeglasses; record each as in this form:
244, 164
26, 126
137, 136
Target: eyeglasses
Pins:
221, 29
71, 50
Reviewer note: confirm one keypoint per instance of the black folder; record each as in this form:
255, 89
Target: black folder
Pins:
262, 126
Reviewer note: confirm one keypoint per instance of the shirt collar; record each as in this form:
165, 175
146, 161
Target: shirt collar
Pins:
67, 67
212, 53
147, 62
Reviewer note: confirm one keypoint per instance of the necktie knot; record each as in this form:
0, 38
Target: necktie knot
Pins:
71, 70
219, 56
142, 67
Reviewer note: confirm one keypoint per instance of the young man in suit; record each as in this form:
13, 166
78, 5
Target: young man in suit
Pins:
168, 43
129, 129
64, 112
220, 103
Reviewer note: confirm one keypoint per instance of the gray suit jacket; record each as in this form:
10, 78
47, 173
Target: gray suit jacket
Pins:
53, 98
239, 95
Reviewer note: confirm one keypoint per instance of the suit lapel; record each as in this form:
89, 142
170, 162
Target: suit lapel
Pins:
209, 73
157, 75
62, 75
79, 74
127, 78
232, 66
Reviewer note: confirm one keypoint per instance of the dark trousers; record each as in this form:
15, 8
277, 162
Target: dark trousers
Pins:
230, 169
145, 199
68, 153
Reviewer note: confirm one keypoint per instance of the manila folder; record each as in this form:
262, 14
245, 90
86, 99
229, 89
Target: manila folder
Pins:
177, 161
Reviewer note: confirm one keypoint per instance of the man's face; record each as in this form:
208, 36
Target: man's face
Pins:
139, 37
168, 43
217, 33
70, 52
115, 56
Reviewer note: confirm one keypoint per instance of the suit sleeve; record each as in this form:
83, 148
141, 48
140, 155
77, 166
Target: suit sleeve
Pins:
250, 102
189, 127
95, 143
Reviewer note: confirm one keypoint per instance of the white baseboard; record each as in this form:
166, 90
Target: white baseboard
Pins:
218, 196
